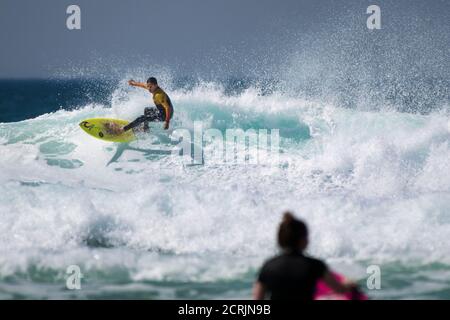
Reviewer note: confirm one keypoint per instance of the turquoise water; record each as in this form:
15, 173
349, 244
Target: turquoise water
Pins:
142, 222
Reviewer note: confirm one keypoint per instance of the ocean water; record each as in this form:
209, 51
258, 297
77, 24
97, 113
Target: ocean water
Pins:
372, 183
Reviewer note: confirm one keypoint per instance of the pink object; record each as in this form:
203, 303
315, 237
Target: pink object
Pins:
323, 292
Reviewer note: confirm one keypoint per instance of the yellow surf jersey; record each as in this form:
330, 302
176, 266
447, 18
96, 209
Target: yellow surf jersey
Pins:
160, 98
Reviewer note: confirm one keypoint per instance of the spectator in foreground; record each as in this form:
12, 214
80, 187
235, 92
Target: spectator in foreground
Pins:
292, 275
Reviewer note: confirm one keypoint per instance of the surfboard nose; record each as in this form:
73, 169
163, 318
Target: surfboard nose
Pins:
86, 125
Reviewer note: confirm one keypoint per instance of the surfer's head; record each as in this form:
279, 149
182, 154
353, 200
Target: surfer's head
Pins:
292, 233
152, 84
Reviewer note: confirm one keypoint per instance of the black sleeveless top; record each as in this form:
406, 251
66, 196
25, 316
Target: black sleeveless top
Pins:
291, 275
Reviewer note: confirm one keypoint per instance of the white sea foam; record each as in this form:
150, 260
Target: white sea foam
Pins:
373, 187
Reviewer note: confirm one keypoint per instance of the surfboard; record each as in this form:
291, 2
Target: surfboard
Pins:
96, 128
323, 292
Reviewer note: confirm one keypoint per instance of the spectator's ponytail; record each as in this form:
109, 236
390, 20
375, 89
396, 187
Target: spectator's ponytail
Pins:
291, 231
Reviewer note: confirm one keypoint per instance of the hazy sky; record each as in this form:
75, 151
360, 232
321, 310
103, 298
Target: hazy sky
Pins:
184, 35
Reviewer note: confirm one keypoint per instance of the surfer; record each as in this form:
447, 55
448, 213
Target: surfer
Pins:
292, 275
162, 112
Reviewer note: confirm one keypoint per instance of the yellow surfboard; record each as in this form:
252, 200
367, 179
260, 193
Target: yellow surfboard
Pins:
96, 128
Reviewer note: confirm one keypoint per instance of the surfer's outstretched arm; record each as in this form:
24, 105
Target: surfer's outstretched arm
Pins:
138, 84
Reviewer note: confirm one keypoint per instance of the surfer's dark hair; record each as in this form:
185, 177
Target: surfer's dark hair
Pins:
152, 80
291, 231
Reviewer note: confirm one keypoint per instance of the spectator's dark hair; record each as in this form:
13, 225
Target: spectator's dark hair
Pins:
291, 231
152, 80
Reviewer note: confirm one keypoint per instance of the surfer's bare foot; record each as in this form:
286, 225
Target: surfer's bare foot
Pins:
113, 128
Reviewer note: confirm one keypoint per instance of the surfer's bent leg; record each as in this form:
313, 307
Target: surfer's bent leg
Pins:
150, 114
147, 113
